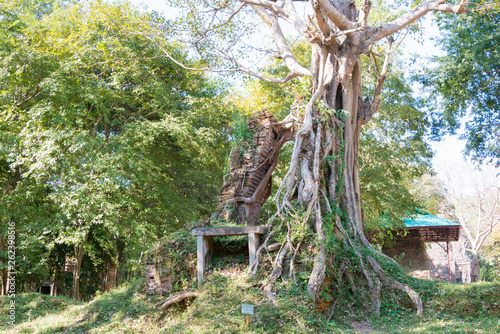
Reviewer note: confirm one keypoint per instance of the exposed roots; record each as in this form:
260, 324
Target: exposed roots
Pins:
177, 298
320, 192
389, 282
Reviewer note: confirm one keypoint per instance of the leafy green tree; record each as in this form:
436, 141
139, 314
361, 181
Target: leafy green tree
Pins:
393, 155
110, 140
465, 84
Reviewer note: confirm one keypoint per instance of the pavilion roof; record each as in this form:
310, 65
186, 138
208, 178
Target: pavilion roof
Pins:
432, 228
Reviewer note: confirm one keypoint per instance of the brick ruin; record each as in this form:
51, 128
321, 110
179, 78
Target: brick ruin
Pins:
409, 252
430, 260
246, 187
248, 184
171, 265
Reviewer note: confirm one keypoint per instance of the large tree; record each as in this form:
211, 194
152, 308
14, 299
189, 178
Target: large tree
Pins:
322, 181
101, 139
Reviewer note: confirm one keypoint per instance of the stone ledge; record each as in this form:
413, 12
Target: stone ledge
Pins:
234, 230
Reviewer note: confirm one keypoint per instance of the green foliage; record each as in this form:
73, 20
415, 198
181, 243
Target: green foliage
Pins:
489, 271
469, 300
101, 138
393, 154
465, 81
278, 99
31, 306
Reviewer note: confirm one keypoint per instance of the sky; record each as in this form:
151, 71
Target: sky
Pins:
448, 152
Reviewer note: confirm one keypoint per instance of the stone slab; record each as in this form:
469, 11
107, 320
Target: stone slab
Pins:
234, 230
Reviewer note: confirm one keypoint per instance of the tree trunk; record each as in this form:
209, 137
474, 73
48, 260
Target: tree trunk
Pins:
77, 271
55, 282
111, 276
474, 271
4, 281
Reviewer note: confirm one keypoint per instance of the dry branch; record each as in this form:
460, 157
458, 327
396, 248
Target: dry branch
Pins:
177, 298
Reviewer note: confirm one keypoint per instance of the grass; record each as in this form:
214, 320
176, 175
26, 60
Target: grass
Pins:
123, 310
457, 308
453, 308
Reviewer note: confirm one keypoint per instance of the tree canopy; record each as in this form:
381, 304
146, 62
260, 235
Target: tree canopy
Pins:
102, 138
465, 82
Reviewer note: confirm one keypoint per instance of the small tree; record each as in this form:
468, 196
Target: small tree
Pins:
476, 205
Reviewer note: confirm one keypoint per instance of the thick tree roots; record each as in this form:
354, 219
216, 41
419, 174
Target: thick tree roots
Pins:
354, 264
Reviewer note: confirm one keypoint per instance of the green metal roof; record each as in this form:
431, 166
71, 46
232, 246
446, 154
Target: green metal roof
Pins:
425, 219
432, 228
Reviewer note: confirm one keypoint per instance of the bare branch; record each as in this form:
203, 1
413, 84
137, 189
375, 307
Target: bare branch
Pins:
267, 4
375, 105
284, 49
366, 7
457, 9
417, 13
294, 19
323, 26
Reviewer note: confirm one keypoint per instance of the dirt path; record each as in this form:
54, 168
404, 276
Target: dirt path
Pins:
362, 327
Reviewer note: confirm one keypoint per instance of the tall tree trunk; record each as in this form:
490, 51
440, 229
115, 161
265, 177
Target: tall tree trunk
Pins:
474, 271
77, 269
111, 276
55, 282
4, 281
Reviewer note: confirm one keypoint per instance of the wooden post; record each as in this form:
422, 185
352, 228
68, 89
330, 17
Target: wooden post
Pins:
253, 245
200, 256
448, 252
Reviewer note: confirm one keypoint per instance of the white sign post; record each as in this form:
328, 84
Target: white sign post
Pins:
247, 309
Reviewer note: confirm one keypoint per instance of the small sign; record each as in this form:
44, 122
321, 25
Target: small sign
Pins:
246, 309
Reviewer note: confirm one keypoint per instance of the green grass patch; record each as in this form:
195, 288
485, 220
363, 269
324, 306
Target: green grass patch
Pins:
449, 308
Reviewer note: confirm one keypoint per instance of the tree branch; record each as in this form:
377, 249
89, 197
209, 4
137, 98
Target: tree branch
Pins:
417, 13
284, 49
336, 16
267, 4
175, 299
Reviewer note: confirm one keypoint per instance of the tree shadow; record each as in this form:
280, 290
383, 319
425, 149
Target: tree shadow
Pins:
30, 306
117, 306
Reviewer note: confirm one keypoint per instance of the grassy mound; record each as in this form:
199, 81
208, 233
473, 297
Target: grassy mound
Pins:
458, 308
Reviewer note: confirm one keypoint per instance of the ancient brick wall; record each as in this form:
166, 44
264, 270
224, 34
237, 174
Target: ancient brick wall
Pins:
409, 251
460, 262
430, 260
251, 164
171, 265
